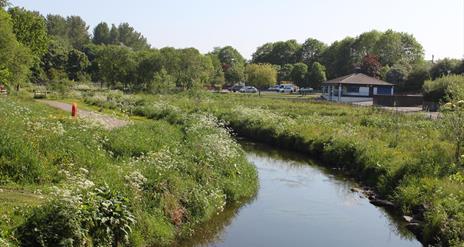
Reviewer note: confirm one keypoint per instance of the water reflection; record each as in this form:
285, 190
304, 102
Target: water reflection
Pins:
301, 204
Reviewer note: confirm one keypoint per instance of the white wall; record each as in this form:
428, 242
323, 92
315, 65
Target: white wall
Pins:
363, 91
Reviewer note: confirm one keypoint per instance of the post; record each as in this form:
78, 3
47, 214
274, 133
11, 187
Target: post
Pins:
339, 92
74, 110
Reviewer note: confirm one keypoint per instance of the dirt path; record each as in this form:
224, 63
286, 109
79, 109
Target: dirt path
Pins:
108, 122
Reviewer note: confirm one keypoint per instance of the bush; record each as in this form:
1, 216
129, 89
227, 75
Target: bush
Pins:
55, 224
438, 90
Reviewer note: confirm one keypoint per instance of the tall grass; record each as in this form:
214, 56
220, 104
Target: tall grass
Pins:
168, 173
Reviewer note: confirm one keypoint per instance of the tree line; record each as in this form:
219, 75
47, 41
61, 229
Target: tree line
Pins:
59, 50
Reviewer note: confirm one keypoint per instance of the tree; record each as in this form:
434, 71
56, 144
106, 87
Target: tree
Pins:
316, 75
31, 31
57, 26
284, 73
371, 66
261, 75
263, 53
194, 69
365, 44
311, 51
4, 3
416, 78
77, 64
149, 63
101, 34
278, 53
131, 38
55, 59
114, 35
231, 62
116, 64
444, 67
338, 58
393, 47
77, 32
298, 73
15, 58
398, 74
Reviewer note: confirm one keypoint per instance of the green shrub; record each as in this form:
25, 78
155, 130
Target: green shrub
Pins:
55, 224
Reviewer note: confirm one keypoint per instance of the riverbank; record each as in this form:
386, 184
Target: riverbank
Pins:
146, 183
403, 158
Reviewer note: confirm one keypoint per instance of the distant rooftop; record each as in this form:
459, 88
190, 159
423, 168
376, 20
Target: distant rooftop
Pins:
358, 79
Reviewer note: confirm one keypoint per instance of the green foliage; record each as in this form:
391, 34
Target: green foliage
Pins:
438, 90
311, 51
77, 32
30, 30
168, 181
261, 75
77, 63
15, 59
278, 53
101, 34
316, 75
298, 73
55, 224
444, 67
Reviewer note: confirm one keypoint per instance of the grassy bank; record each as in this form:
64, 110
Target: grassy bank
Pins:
403, 157
73, 183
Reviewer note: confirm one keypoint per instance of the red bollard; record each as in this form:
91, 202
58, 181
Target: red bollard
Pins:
74, 110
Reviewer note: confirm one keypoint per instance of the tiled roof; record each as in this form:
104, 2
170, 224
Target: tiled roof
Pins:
358, 79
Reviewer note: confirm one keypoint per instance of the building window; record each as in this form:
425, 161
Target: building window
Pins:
352, 89
384, 90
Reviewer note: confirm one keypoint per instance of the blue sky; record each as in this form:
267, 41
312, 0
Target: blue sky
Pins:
247, 24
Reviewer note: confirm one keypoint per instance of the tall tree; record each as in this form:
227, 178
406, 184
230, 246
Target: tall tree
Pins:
114, 35
298, 74
131, 38
311, 51
30, 29
77, 32
15, 59
117, 64
4, 3
316, 75
278, 53
371, 66
365, 44
101, 34
444, 67
57, 26
76, 65
338, 58
393, 47
232, 63
261, 75
55, 59
284, 73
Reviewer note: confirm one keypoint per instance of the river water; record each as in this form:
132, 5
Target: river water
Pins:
301, 204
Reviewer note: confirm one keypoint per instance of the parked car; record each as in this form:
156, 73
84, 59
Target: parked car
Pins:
274, 88
306, 90
236, 88
248, 89
287, 88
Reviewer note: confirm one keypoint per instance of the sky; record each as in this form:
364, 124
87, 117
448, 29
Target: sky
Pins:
247, 24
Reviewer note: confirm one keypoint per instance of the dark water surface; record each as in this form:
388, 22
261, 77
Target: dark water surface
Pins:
301, 204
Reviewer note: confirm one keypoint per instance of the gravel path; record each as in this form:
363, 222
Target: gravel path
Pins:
108, 122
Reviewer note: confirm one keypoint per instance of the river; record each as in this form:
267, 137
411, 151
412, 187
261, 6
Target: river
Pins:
301, 204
